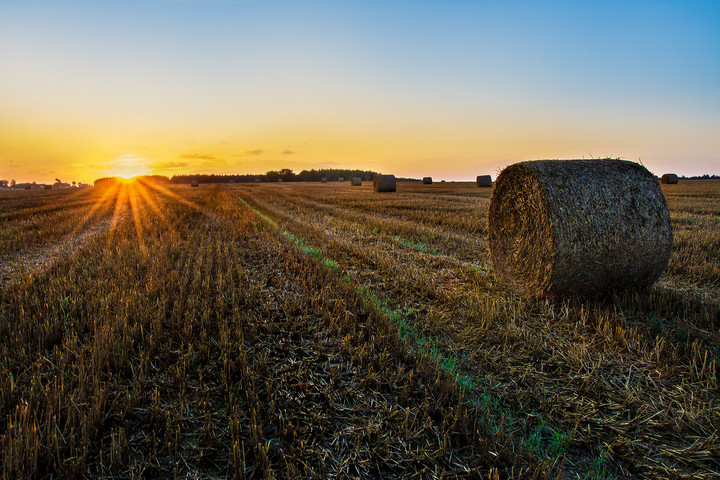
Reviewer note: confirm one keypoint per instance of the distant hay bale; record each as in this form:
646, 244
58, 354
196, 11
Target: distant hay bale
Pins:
356, 181
324, 180
578, 227
384, 183
257, 180
341, 179
484, 181
280, 179
669, 179
427, 180
194, 183
442, 181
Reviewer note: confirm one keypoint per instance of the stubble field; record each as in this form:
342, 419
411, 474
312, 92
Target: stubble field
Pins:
307, 330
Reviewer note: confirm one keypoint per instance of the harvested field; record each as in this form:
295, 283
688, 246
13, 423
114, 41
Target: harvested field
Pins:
293, 331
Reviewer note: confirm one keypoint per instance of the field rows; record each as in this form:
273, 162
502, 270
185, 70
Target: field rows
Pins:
308, 330
576, 365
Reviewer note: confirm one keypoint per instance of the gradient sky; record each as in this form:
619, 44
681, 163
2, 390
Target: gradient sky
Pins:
451, 89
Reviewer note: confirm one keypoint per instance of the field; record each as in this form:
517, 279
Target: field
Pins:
307, 330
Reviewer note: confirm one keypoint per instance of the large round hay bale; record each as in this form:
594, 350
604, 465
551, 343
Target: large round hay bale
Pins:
578, 227
484, 181
669, 179
194, 183
427, 180
356, 181
384, 183
323, 179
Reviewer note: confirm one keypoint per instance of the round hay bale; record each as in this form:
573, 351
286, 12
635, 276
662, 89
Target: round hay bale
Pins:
669, 179
323, 179
384, 183
194, 183
341, 179
280, 179
356, 181
578, 227
484, 181
427, 180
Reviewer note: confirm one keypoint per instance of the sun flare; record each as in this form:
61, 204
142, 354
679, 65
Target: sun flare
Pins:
127, 167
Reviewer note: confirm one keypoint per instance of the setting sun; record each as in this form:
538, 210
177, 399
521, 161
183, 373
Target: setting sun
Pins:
128, 167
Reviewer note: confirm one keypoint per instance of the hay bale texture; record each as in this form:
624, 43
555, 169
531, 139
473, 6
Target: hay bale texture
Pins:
323, 179
578, 227
356, 181
427, 180
669, 179
484, 181
384, 183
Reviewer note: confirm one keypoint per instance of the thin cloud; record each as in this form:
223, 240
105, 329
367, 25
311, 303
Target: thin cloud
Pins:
251, 153
198, 156
288, 152
168, 165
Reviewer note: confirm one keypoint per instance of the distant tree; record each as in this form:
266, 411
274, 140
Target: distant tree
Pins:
153, 178
286, 174
58, 180
12, 182
105, 181
74, 184
272, 176
3, 183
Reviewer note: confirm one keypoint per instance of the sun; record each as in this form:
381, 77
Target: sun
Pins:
129, 166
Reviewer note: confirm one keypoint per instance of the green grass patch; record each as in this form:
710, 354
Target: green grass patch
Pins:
419, 246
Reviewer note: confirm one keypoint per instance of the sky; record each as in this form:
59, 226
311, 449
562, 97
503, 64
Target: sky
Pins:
450, 89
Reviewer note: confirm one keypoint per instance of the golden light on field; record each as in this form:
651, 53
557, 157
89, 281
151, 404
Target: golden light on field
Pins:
133, 197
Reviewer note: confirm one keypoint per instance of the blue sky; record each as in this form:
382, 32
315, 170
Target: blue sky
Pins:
450, 89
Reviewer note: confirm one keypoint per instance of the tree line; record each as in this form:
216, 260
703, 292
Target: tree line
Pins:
285, 174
